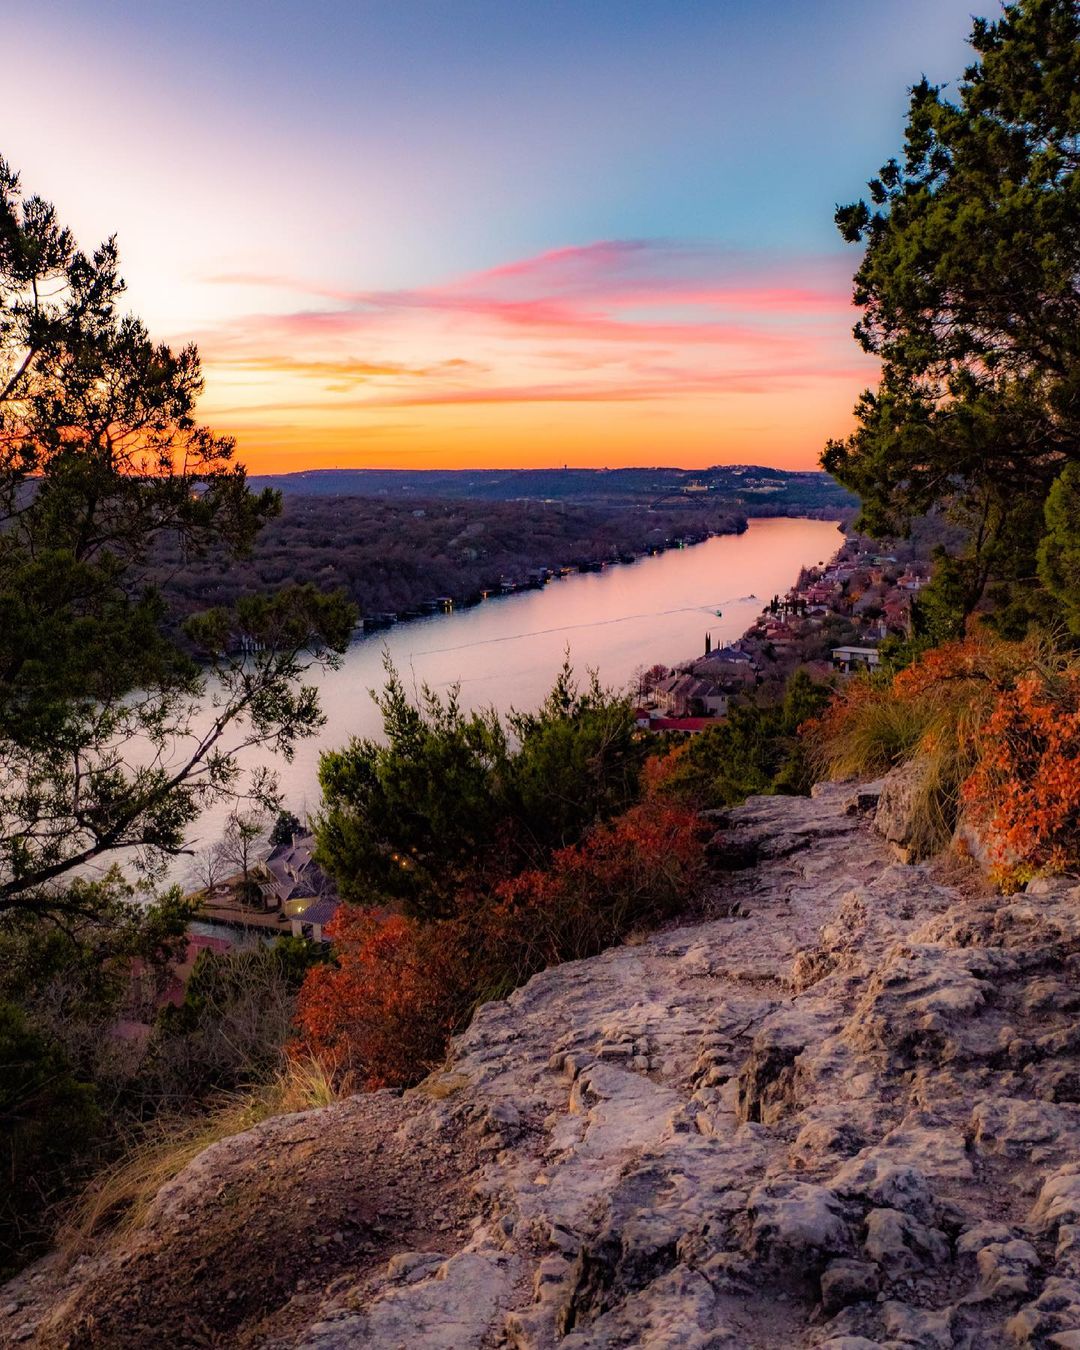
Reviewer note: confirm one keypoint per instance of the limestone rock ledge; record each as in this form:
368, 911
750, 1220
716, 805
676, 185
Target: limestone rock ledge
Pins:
846, 1113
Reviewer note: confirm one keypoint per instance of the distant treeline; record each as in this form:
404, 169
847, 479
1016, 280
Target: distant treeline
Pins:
777, 491
390, 555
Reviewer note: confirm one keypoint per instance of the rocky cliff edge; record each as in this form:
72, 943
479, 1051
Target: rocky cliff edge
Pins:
843, 1112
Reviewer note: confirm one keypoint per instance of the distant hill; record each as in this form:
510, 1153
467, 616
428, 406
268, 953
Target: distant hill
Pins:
753, 486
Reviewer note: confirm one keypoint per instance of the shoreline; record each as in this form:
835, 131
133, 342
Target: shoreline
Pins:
544, 575
634, 647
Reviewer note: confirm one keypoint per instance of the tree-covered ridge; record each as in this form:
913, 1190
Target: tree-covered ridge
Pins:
970, 295
389, 555
729, 485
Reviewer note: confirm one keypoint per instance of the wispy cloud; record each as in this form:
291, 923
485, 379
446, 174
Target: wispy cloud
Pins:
619, 321
342, 374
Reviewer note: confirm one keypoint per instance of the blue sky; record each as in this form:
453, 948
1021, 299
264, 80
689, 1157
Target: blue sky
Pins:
307, 152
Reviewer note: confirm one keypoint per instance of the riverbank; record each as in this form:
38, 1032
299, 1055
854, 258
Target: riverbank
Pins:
536, 578
831, 620
505, 655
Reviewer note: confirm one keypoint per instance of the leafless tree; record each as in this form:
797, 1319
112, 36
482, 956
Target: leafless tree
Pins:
244, 839
209, 868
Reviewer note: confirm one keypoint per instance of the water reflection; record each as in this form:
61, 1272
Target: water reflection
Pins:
505, 652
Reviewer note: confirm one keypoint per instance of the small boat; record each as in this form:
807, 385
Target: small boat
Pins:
719, 613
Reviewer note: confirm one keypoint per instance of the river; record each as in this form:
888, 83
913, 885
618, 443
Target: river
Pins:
506, 651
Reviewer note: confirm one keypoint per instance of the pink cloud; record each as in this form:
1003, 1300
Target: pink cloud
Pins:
660, 318
346, 371
585, 287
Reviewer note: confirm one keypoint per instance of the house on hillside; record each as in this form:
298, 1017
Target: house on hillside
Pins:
290, 879
727, 670
685, 695
911, 580
849, 659
311, 922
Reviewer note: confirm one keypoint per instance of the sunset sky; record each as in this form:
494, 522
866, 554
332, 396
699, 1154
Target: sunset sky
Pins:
460, 233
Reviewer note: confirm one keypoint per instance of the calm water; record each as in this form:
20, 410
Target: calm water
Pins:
506, 651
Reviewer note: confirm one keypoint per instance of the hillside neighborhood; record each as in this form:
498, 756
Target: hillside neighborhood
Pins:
830, 622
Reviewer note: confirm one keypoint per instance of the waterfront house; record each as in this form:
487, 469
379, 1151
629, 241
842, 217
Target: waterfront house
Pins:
311, 922
290, 879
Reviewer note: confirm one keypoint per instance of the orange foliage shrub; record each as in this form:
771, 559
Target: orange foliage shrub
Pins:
401, 987
997, 722
384, 1012
1025, 789
633, 872
659, 771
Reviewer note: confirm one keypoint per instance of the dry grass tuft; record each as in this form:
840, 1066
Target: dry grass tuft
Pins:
119, 1198
930, 715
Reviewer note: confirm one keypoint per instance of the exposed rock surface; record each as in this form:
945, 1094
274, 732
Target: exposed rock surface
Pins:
900, 809
844, 1114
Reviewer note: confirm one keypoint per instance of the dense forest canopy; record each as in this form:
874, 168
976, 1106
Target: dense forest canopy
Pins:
392, 556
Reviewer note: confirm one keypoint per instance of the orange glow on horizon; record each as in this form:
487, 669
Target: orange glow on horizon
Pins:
682, 436
616, 353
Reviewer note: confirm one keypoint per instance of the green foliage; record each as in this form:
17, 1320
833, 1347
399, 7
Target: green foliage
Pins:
969, 299
939, 611
1059, 553
73, 1091
404, 820
101, 460
452, 800
235, 1017
47, 1119
221, 978
897, 654
285, 826
578, 762
82, 967
756, 749
62, 989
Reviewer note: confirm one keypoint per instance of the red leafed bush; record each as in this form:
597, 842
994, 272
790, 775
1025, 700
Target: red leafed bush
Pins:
996, 726
659, 771
632, 873
1025, 788
400, 987
384, 1011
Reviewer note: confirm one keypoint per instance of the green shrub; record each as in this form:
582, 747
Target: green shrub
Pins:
49, 1123
451, 802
